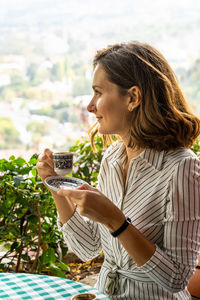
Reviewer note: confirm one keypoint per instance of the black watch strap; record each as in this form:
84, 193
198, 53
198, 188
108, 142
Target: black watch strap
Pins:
122, 228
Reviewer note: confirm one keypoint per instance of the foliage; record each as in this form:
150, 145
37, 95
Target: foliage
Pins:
28, 230
196, 147
191, 87
32, 72
81, 86
8, 133
35, 127
59, 111
87, 163
28, 217
58, 71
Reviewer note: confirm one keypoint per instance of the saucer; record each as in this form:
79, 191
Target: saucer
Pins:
56, 183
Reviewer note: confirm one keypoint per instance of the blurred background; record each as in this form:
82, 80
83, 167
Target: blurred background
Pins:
46, 51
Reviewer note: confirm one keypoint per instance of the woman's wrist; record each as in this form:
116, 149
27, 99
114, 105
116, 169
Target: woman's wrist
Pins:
65, 208
116, 221
122, 228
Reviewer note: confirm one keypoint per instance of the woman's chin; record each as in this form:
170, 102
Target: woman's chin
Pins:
101, 131
104, 131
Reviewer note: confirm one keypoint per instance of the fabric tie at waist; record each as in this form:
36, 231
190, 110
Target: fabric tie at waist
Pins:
112, 279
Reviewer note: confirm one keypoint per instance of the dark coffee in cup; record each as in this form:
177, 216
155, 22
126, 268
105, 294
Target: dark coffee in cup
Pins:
85, 296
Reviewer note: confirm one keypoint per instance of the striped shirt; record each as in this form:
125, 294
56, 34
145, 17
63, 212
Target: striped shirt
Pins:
162, 197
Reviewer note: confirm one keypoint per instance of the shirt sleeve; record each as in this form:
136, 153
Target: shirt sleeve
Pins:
173, 265
82, 236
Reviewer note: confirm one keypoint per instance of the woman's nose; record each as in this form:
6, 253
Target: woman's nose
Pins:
91, 107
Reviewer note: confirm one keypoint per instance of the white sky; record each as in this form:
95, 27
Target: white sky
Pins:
161, 4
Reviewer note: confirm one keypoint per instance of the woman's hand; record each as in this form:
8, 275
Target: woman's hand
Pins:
45, 164
45, 169
96, 206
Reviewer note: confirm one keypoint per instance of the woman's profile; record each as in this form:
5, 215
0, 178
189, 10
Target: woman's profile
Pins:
145, 212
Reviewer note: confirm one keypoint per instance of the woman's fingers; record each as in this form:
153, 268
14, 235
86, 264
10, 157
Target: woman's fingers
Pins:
46, 154
42, 165
47, 157
83, 192
49, 153
86, 186
44, 169
75, 195
90, 203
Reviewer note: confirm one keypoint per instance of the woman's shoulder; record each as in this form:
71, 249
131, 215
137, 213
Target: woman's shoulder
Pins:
181, 156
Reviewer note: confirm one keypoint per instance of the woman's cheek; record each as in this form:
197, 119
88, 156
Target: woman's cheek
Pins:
99, 104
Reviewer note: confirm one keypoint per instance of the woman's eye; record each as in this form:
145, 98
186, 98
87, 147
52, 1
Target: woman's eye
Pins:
97, 92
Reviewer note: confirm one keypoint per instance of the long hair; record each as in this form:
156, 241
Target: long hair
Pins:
163, 120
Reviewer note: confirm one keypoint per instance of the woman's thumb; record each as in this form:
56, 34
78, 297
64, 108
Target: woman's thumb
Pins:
86, 186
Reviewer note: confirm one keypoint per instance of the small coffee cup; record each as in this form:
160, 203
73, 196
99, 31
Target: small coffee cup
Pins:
63, 162
85, 296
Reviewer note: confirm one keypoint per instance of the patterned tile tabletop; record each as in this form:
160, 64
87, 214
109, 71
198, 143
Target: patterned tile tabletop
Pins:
31, 286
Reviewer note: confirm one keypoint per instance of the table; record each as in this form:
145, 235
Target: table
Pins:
31, 286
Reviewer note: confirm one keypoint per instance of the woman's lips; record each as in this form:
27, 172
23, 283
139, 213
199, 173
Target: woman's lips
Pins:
99, 118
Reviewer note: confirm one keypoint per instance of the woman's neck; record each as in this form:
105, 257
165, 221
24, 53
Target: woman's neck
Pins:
131, 152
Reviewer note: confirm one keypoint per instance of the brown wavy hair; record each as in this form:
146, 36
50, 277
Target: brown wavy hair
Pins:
163, 120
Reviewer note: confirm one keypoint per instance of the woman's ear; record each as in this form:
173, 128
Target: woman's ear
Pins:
134, 97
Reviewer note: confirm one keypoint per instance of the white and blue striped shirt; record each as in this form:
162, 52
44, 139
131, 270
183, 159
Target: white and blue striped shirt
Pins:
162, 198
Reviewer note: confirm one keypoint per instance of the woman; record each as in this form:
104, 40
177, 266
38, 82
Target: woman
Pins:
145, 212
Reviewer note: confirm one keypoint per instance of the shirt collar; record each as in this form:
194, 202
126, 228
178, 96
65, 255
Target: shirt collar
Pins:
151, 156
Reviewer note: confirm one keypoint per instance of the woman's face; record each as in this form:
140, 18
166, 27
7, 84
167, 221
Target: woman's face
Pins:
108, 105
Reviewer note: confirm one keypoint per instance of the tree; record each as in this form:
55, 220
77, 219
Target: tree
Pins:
32, 72
81, 86
16, 79
58, 71
9, 136
35, 127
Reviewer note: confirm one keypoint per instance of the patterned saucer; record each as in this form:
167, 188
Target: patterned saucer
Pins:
56, 183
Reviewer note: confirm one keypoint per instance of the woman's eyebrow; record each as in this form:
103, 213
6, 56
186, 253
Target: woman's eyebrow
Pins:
96, 86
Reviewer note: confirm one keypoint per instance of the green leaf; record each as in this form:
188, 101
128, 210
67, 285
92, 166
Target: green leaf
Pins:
26, 257
48, 256
33, 219
15, 231
64, 250
23, 201
33, 161
2, 266
56, 272
34, 172
7, 246
86, 171
20, 162
6, 166
12, 157
14, 246
62, 266
25, 170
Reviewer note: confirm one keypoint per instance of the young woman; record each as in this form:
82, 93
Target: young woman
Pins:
145, 212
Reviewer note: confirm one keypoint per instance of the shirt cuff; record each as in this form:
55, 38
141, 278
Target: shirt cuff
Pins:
69, 225
153, 262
